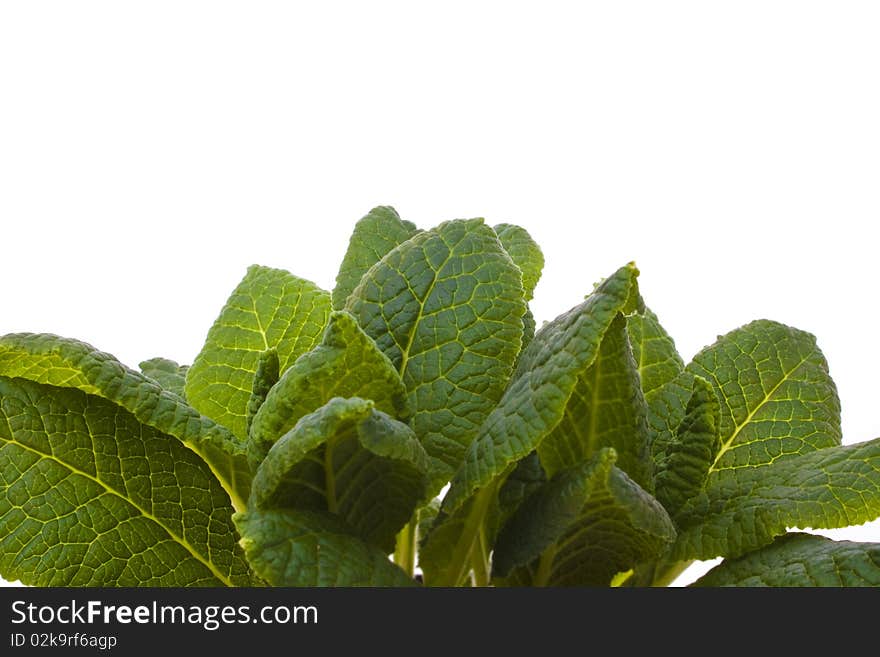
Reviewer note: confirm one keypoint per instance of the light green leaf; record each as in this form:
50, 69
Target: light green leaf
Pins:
375, 234
91, 496
585, 525
167, 373
823, 489
446, 307
349, 459
606, 409
525, 253
266, 376
801, 560
66, 363
347, 363
688, 458
310, 548
270, 309
532, 406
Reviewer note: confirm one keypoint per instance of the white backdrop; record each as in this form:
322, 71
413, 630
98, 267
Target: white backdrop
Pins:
149, 152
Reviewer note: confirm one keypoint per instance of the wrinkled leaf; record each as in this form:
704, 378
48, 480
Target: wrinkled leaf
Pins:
91, 496
349, 459
347, 363
374, 235
446, 307
312, 548
801, 560
269, 309
586, 524
167, 373
66, 363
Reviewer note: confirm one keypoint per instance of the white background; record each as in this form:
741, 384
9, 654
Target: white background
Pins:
149, 152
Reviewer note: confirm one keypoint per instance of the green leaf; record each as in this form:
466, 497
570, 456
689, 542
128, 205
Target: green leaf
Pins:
66, 363
349, 459
91, 496
689, 457
310, 548
377, 233
270, 309
801, 560
532, 406
779, 464
446, 307
654, 351
525, 253
527, 477
266, 376
606, 409
546, 376
823, 489
347, 363
585, 525
167, 373
777, 398
528, 328
665, 384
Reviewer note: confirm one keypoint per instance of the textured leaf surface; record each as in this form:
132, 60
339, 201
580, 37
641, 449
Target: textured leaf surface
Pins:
654, 351
665, 384
590, 522
377, 233
532, 406
446, 307
90, 496
67, 363
823, 489
270, 309
347, 363
525, 253
606, 409
777, 404
167, 373
541, 387
350, 459
688, 459
266, 376
777, 398
527, 477
801, 560
309, 548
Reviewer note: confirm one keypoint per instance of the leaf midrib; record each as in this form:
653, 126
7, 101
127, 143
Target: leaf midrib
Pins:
404, 353
178, 539
728, 444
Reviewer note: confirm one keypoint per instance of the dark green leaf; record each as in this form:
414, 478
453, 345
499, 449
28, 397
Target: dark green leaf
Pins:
311, 548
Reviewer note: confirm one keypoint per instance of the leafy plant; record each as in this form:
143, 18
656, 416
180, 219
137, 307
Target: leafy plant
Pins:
312, 440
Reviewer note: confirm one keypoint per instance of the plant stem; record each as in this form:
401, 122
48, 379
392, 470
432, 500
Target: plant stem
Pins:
460, 555
668, 572
480, 559
545, 566
407, 544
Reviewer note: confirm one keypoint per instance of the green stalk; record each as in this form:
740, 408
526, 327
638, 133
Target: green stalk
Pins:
407, 545
668, 572
480, 559
545, 566
460, 557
